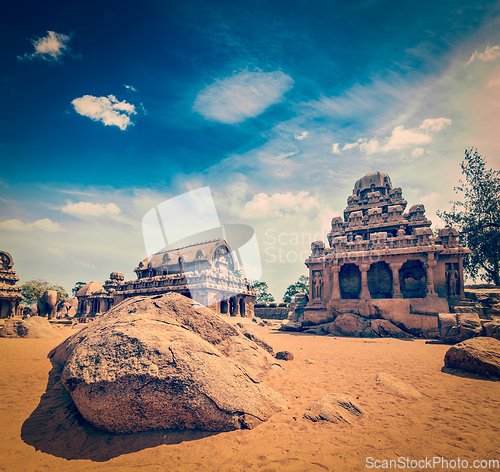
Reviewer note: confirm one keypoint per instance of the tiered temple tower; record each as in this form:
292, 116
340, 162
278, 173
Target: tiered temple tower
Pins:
379, 252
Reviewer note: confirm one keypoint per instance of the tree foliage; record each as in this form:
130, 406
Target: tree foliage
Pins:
262, 291
302, 285
77, 287
477, 217
31, 290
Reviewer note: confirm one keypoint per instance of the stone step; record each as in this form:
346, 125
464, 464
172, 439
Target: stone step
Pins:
465, 309
461, 303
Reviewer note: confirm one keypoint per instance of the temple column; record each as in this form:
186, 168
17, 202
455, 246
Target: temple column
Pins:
365, 292
310, 294
336, 295
236, 306
429, 266
461, 276
395, 266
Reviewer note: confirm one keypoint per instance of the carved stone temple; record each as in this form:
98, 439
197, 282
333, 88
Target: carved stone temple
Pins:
382, 259
10, 293
204, 272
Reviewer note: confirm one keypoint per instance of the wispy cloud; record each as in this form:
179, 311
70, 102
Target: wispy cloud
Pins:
91, 209
493, 83
279, 204
435, 124
106, 109
335, 148
488, 55
244, 95
401, 137
130, 87
49, 48
44, 224
301, 136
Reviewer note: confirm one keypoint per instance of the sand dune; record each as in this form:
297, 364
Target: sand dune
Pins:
455, 416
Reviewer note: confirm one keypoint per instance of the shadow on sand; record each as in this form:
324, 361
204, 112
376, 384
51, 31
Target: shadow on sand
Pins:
56, 427
467, 375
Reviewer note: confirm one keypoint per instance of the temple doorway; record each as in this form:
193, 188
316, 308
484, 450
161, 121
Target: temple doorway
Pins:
412, 279
380, 280
350, 281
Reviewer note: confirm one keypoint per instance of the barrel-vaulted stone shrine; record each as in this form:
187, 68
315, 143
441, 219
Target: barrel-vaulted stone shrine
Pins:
205, 272
382, 260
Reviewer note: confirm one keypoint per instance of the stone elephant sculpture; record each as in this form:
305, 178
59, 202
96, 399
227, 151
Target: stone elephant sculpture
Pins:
68, 307
47, 303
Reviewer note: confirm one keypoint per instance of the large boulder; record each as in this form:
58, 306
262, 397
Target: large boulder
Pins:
468, 325
492, 329
349, 324
477, 355
385, 329
166, 362
68, 307
34, 327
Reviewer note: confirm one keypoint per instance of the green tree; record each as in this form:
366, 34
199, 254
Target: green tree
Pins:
477, 217
262, 290
31, 290
302, 285
77, 287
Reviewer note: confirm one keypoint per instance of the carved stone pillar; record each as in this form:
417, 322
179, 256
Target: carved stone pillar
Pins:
236, 306
395, 266
429, 266
336, 295
365, 292
461, 276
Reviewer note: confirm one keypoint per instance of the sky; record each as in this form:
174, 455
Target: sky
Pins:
111, 108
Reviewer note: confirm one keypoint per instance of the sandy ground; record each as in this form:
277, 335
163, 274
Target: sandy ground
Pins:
457, 415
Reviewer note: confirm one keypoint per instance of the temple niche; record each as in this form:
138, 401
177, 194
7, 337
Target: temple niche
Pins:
381, 256
10, 293
203, 271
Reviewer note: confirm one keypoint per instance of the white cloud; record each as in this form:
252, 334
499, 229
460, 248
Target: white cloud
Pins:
106, 109
368, 146
302, 135
55, 251
244, 95
18, 225
48, 225
91, 209
431, 199
279, 204
417, 152
493, 83
349, 146
15, 225
435, 124
401, 137
49, 48
335, 148
488, 55
130, 87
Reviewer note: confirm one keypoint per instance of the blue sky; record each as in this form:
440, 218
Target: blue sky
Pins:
110, 108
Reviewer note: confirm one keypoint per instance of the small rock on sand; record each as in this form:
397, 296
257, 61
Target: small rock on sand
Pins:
335, 408
393, 385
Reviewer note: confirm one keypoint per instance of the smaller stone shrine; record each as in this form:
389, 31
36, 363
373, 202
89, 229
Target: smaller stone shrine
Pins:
383, 262
10, 293
203, 271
